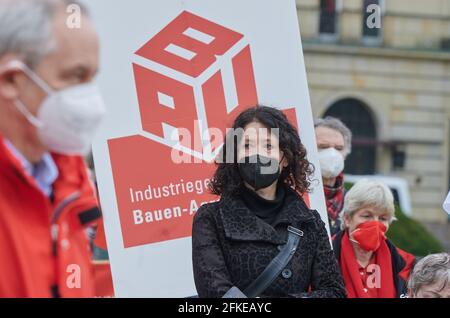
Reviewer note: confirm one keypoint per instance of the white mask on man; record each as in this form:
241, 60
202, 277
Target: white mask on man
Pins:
331, 162
67, 119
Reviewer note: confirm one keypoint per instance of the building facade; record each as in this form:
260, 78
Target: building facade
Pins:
390, 85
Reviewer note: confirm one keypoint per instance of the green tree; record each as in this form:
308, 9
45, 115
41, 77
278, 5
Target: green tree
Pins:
411, 236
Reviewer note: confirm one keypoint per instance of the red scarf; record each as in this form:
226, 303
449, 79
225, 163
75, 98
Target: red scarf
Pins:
352, 277
335, 197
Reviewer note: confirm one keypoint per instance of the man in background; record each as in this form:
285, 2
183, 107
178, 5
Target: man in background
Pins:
334, 142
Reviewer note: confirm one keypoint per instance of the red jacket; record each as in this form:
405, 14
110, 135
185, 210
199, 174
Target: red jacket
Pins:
44, 249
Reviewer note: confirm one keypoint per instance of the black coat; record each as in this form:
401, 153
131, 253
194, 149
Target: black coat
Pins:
231, 246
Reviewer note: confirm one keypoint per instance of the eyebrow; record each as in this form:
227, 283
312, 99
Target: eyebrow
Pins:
328, 144
79, 68
444, 285
431, 292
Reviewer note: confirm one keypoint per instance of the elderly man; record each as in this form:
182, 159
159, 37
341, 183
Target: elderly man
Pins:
49, 109
334, 142
431, 277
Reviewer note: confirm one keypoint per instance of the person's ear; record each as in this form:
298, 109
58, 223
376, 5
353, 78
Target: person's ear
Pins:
10, 79
284, 161
346, 220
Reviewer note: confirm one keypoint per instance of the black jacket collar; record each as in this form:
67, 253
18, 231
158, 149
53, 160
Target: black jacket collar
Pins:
243, 225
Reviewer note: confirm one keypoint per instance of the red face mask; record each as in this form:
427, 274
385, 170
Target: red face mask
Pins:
369, 235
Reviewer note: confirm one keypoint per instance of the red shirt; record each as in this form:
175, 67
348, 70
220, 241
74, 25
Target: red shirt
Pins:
367, 278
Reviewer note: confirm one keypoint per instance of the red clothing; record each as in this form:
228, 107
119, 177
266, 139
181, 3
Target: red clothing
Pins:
384, 279
366, 275
355, 286
44, 249
335, 198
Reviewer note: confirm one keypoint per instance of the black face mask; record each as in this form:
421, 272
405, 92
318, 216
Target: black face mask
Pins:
259, 171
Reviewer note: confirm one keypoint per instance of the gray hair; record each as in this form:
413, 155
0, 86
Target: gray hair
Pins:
338, 125
368, 193
429, 270
26, 27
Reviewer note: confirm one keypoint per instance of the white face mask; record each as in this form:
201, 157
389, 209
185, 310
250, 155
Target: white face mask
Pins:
331, 162
67, 119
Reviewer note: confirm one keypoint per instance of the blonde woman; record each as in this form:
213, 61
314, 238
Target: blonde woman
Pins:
372, 267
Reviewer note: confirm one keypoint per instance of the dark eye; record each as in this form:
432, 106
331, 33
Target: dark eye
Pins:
246, 145
79, 74
269, 146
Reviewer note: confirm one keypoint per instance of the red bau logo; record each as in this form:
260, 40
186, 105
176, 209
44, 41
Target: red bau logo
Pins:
194, 75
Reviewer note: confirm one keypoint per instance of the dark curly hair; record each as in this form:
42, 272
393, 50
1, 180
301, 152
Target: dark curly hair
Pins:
227, 179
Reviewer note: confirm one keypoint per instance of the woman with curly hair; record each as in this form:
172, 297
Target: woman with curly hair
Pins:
262, 173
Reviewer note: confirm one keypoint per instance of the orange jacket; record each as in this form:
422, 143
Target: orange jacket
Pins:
44, 248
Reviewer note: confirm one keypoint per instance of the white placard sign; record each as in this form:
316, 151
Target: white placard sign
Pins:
168, 65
